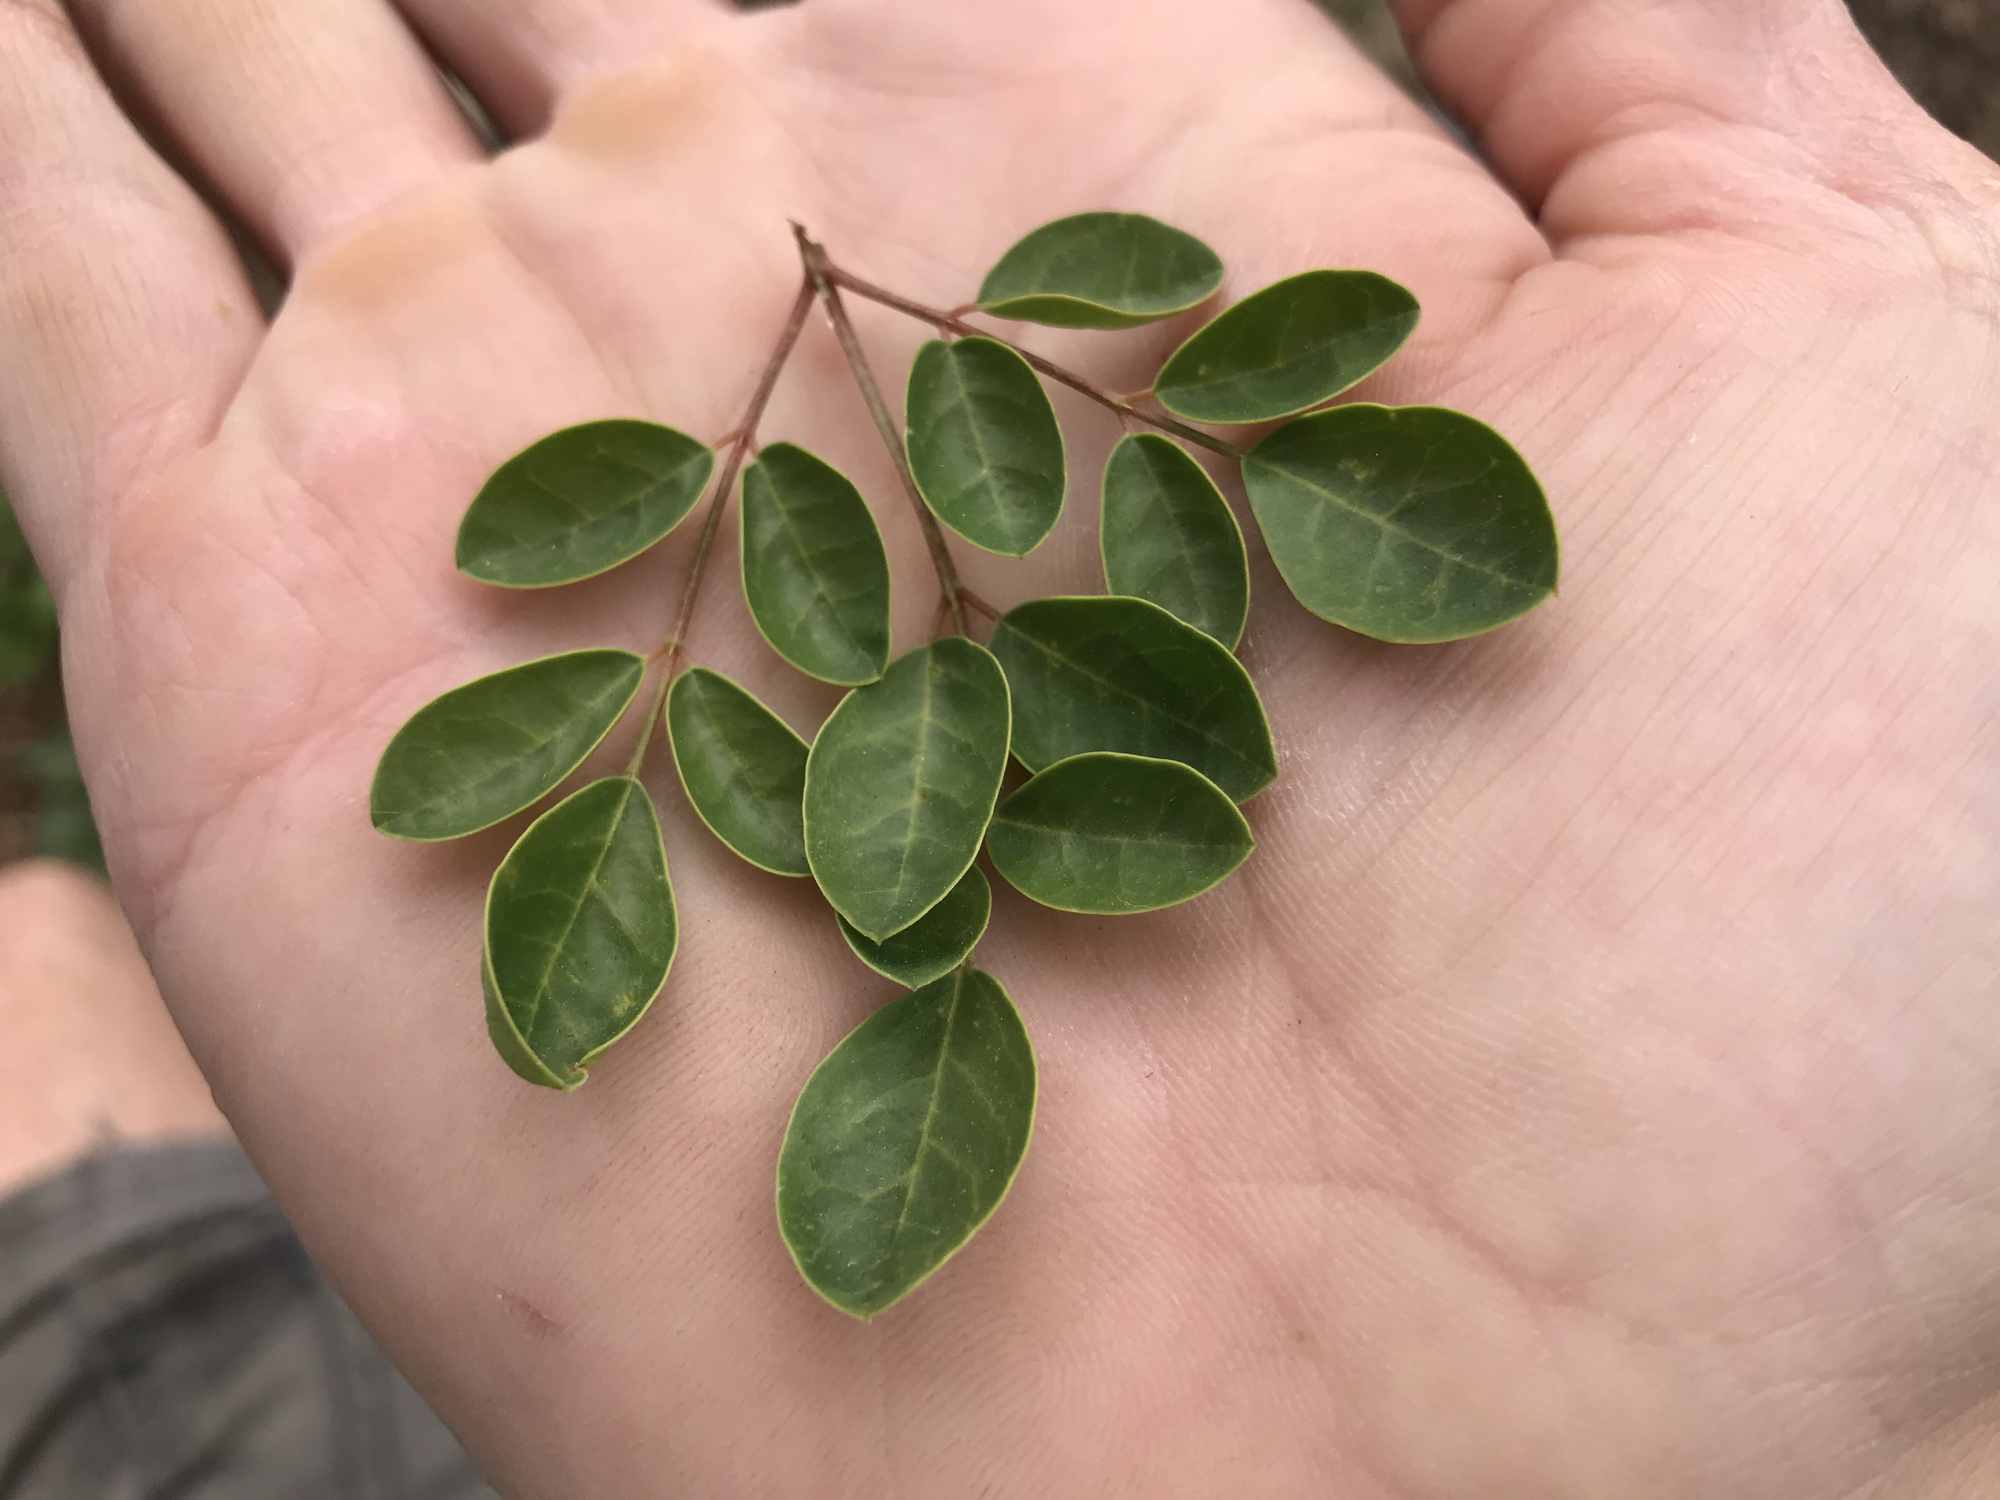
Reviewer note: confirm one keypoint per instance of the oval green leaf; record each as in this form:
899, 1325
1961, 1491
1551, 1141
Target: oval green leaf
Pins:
904, 1141
580, 929
1114, 834
1111, 673
936, 943
984, 446
1293, 345
1166, 534
484, 751
743, 767
814, 572
1409, 523
1101, 270
580, 501
901, 783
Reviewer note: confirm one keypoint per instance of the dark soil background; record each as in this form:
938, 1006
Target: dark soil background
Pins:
1947, 52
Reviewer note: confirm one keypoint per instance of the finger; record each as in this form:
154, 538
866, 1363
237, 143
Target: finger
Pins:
1575, 103
303, 118
522, 57
123, 309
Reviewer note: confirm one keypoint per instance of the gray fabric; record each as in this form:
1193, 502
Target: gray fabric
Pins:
164, 1337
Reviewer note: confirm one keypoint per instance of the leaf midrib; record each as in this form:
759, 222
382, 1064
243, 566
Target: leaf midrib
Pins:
1333, 497
1174, 509
918, 762
1119, 840
638, 500
930, 1114
1241, 381
576, 913
820, 584
987, 467
499, 772
1146, 703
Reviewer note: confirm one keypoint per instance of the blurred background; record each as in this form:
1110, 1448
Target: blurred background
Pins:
1947, 52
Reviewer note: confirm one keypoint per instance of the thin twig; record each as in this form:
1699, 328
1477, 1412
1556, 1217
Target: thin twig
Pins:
938, 317
978, 605
740, 441
820, 273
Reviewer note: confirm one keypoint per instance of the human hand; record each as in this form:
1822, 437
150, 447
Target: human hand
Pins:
1587, 1090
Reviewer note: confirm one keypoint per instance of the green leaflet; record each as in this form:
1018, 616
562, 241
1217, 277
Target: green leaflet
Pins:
1293, 345
814, 572
1408, 523
1110, 673
901, 783
580, 931
1101, 270
984, 446
905, 1139
1166, 534
484, 751
743, 767
580, 501
936, 943
1113, 834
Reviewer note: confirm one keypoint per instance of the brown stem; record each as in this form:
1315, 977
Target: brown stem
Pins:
938, 317
821, 275
740, 441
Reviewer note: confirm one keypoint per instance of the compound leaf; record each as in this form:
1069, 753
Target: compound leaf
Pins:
1409, 523
900, 784
1166, 534
905, 1139
1110, 673
984, 446
487, 749
814, 572
580, 930
743, 767
1101, 270
1293, 345
936, 943
580, 501
1112, 834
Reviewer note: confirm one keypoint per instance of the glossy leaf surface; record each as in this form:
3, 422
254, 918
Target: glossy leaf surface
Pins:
1293, 345
1101, 270
905, 1139
1409, 523
743, 767
580, 501
901, 783
1166, 534
936, 943
489, 748
1115, 834
580, 927
984, 446
1111, 673
814, 572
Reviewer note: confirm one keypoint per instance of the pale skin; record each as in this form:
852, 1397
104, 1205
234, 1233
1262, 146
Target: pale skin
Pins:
1590, 1086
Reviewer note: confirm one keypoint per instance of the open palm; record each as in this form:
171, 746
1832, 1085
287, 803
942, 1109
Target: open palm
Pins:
1588, 1090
